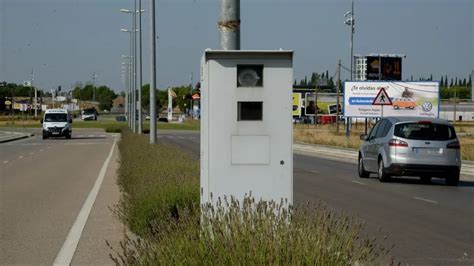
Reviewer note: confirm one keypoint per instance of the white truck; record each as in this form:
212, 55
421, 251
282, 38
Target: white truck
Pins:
57, 123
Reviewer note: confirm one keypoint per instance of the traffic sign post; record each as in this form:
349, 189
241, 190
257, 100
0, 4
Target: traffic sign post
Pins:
382, 99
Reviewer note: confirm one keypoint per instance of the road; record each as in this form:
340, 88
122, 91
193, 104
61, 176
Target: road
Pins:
43, 186
428, 224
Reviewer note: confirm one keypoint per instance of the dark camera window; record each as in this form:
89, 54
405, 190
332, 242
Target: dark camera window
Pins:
249, 75
249, 111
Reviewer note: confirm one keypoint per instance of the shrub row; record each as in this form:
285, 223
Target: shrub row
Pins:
160, 205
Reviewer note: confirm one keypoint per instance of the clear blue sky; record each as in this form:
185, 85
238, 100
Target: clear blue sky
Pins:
65, 41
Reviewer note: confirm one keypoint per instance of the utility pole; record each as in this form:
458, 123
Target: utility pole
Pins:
350, 21
337, 95
94, 76
35, 103
134, 93
229, 25
152, 74
140, 79
455, 96
191, 100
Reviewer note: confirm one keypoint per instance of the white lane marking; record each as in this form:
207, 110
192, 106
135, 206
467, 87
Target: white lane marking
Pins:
427, 200
31, 153
41, 150
170, 137
357, 182
314, 171
80, 136
5, 161
181, 137
103, 136
85, 143
20, 157
91, 136
69, 246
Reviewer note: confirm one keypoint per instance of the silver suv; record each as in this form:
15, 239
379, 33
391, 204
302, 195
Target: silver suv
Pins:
411, 146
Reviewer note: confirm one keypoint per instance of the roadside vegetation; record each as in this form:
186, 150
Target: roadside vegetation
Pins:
107, 124
326, 135
160, 205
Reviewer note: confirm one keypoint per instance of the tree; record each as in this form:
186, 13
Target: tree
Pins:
446, 81
464, 82
452, 83
442, 82
431, 77
469, 83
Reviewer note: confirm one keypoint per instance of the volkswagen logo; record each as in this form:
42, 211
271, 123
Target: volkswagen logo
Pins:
427, 106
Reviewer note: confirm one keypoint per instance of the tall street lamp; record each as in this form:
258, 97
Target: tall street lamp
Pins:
152, 74
137, 60
349, 15
132, 107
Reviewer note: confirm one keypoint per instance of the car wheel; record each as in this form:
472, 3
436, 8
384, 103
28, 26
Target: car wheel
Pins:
68, 136
383, 176
45, 136
425, 179
452, 180
362, 172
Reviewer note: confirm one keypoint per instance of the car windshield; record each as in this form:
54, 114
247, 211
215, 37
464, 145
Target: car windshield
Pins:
425, 131
88, 112
55, 118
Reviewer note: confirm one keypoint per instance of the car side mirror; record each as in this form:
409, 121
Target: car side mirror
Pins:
364, 137
41, 121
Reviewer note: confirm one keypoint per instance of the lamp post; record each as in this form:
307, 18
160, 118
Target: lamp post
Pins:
349, 15
137, 64
132, 90
152, 74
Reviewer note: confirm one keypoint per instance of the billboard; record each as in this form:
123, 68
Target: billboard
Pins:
310, 106
384, 68
297, 104
408, 99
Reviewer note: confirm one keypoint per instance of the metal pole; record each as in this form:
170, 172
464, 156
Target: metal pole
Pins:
130, 83
352, 63
134, 92
455, 96
191, 107
152, 74
337, 94
93, 89
35, 104
140, 78
229, 25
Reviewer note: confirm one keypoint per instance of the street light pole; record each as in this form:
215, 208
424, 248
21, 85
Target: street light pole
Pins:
152, 74
350, 21
140, 79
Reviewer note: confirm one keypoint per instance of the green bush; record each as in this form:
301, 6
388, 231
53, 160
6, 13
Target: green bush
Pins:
160, 205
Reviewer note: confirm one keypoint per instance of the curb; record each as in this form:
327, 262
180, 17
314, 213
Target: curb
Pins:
18, 137
351, 156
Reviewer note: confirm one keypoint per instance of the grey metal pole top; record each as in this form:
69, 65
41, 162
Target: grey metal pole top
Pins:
229, 25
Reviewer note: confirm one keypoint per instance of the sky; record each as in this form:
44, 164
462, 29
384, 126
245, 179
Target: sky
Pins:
66, 41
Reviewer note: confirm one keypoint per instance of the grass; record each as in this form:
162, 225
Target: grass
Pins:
160, 205
326, 135
108, 125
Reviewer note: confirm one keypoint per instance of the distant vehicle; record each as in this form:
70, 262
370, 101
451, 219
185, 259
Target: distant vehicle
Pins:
411, 146
407, 103
121, 118
89, 114
57, 123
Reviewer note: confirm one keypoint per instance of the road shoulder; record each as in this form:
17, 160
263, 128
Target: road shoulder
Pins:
102, 226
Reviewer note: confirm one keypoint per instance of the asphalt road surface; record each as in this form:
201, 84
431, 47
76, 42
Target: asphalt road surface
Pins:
427, 224
43, 185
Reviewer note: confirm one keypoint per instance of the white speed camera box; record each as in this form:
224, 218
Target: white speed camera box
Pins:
246, 125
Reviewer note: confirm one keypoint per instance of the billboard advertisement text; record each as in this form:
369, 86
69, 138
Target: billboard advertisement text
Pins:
408, 99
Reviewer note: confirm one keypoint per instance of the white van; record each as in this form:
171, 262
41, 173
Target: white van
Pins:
57, 123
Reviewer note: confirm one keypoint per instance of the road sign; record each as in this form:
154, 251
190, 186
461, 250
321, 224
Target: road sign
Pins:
8, 102
382, 98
